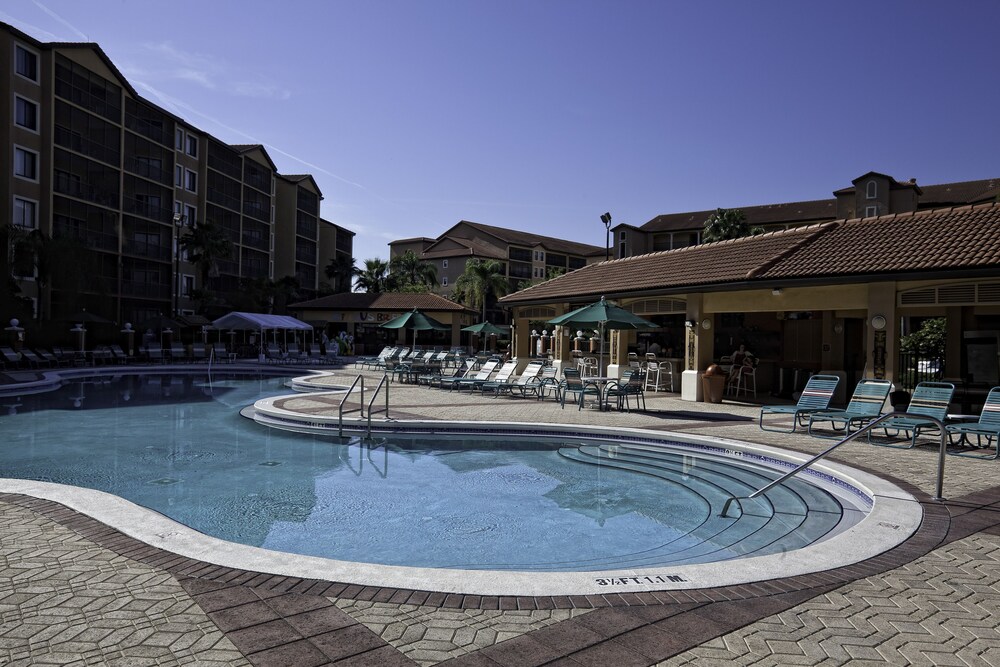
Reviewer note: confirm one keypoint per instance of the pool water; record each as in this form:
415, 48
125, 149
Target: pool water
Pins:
177, 445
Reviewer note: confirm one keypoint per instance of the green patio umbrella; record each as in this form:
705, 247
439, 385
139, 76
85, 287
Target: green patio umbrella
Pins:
602, 315
485, 330
417, 321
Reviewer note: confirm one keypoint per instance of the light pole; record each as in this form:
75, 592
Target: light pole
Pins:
606, 219
176, 282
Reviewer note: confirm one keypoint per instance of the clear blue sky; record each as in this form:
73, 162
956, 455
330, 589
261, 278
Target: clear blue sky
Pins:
541, 115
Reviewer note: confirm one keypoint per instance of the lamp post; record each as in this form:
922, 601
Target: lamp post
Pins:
176, 282
606, 219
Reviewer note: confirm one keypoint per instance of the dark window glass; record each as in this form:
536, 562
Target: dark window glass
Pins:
25, 113
26, 63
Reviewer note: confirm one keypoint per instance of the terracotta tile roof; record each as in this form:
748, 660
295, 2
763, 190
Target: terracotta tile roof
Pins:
959, 239
821, 210
528, 239
800, 211
471, 248
935, 240
385, 301
965, 192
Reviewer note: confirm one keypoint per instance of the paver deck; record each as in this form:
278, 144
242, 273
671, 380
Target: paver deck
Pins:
73, 591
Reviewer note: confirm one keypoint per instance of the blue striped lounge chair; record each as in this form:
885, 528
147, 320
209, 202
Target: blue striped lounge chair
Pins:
502, 375
483, 375
865, 405
930, 399
987, 427
815, 397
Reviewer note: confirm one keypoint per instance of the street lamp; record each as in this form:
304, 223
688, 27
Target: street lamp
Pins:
606, 219
176, 282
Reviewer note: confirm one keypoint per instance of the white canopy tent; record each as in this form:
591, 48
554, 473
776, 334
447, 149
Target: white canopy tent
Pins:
261, 322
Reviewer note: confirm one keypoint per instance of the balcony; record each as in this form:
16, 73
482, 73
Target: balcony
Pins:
148, 210
75, 141
145, 290
86, 237
147, 250
144, 168
67, 184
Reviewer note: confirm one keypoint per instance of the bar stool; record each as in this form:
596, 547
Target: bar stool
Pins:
659, 376
745, 381
588, 367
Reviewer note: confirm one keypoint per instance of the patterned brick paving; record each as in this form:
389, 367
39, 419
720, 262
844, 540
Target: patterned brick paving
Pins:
942, 609
65, 600
75, 592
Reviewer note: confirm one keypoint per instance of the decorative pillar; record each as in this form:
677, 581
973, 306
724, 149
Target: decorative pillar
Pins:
129, 338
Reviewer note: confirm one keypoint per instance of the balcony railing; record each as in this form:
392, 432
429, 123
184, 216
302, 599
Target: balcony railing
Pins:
147, 210
145, 290
86, 237
147, 250
75, 141
143, 168
66, 185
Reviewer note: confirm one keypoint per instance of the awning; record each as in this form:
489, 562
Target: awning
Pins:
257, 321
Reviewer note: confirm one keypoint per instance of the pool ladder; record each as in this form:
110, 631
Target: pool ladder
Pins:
361, 408
867, 428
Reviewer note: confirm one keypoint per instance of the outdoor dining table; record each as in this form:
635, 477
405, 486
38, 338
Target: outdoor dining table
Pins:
601, 382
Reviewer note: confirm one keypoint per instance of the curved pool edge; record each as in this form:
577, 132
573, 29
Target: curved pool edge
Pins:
894, 517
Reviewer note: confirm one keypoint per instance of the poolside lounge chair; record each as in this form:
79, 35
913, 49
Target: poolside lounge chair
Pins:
51, 358
573, 383
10, 357
118, 354
930, 399
395, 355
502, 374
177, 351
815, 397
33, 359
499, 385
432, 379
198, 352
365, 360
155, 353
865, 405
219, 352
632, 383
483, 375
274, 354
987, 427
544, 382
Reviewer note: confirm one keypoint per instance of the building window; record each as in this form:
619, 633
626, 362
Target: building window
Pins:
444, 264
26, 63
621, 245
192, 146
187, 286
190, 215
25, 113
190, 181
25, 163
25, 213
871, 211
444, 281
179, 139
179, 176
871, 191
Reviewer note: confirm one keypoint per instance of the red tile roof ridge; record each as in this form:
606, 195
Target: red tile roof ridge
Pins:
792, 249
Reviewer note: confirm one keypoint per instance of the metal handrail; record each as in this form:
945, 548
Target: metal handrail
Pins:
382, 383
868, 427
340, 410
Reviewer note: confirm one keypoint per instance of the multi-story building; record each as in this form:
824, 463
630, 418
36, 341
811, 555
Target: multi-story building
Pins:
110, 182
869, 195
526, 257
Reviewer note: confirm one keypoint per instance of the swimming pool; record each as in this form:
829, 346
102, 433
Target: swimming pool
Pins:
174, 443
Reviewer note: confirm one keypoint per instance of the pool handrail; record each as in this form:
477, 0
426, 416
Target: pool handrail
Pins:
868, 427
347, 394
382, 383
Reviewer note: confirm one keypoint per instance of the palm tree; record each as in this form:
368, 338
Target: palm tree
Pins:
727, 224
373, 277
341, 270
206, 245
481, 278
408, 270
